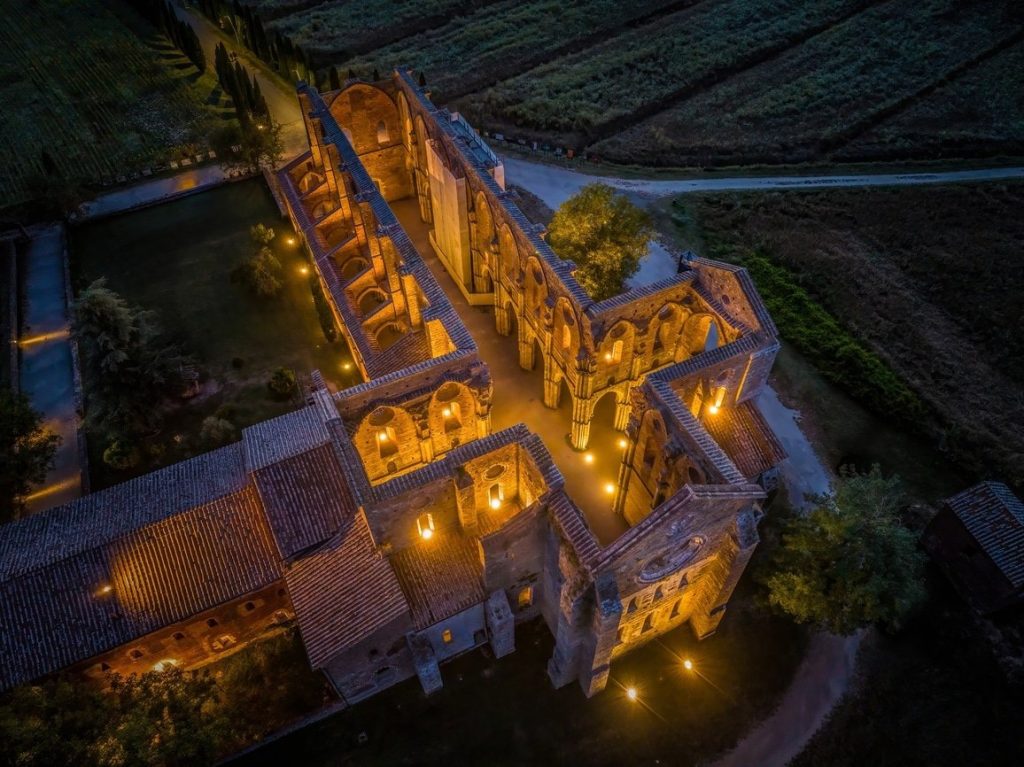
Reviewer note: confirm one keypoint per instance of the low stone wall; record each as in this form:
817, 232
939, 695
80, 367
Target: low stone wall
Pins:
76, 371
9, 255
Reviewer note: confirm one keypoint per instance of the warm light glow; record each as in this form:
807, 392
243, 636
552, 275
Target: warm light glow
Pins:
382, 436
303, 270
56, 487
495, 503
447, 412
712, 409
631, 693
165, 664
609, 488
104, 590
588, 457
623, 444
291, 240
38, 339
688, 664
426, 533
346, 365
607, 356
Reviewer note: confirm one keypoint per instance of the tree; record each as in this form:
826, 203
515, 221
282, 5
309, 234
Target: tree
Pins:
261, 273
282, 383
168, 718
217, 431
129, 367
26, 451
604, 234
849, 563
334, 78
260, 145
261, 234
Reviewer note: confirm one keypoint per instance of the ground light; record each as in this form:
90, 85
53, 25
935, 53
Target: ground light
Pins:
631, 693
426, 533
688, 664
712, 409
588, 457
609, 488
346, 365
623, 444
495, 503
303, 270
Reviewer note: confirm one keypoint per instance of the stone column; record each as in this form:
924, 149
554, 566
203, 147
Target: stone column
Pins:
622, 410
425, 661
582, 412
596, 653
552, 390
501, 625
465, 501
526, 350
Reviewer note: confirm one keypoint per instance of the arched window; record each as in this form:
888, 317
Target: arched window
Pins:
386, 442
382, 133
566, 337
425, 526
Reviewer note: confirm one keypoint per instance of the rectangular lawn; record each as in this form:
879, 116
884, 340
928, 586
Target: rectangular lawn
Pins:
176, 259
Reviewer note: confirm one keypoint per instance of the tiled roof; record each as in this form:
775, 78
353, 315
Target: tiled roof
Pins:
282, 437
343, 592
440, 577
56, 613
305, 498
746, 438
994, 517
92, 520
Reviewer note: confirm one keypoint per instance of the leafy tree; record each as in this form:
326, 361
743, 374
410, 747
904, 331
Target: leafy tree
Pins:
129, 367
260, 145
282, 383
261, 273
604, 234
217, 431
26, 451
121, 454
849, 563
261, 234
165, 718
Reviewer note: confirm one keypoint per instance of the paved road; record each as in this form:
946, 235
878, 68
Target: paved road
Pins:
148, 192
554, 184
46, 373
280, 96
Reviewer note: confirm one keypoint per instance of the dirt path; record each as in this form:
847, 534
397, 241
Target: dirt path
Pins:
555, 184
819, 683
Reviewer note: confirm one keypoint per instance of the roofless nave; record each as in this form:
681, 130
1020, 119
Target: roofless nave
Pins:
413, 517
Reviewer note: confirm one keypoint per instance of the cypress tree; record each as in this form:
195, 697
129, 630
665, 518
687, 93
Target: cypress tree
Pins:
376, 75
334, 78
423, 80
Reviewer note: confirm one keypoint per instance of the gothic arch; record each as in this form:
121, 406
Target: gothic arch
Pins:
403, 115
701, 332
370, 299
451, 416
665, 332
535, 289
387, 441
388, 334
353, 267
310, 181
363, 108
615, 352
566, 340
509, 252
484, 224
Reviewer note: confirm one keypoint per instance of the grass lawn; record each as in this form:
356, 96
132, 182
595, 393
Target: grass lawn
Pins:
506, 711
924, 277
98, 88
176, 259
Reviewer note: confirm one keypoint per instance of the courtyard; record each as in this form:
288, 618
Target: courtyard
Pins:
176, 259
590, 476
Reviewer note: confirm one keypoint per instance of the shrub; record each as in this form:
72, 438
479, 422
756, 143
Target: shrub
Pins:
122, 455
323, 309
282, 383
261, 273
217, 431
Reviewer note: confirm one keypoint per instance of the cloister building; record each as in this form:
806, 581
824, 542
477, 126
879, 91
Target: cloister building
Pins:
413, 517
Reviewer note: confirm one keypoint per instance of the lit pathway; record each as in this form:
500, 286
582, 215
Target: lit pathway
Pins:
518, 398
46, 372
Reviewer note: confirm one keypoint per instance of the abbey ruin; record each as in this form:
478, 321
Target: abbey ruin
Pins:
411, 518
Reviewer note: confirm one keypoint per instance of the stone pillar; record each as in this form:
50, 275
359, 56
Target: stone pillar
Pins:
582, 411
465, 501
425, 661
622, 409
502, 321
501, 625
526, 350
596, 653
740, 548
552, 390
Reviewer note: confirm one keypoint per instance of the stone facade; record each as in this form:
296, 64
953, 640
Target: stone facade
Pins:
388, 519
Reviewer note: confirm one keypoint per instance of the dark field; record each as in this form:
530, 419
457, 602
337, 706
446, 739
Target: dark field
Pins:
176, 259
927, 278
506, 712
98, 88
691, 82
